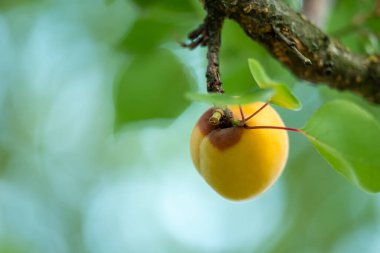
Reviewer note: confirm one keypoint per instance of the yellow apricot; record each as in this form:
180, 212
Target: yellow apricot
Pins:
237, 162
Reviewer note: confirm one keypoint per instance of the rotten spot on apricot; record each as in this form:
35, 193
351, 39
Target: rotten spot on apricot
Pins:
225, 137
203, 123
219, 135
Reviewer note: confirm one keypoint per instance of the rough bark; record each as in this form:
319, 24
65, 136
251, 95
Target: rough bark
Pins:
301, 46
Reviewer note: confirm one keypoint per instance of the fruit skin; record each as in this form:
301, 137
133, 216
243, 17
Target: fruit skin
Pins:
236, 162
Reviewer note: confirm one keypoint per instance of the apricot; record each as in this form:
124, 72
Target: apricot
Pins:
237, 162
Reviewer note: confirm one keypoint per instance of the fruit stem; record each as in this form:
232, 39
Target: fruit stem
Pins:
216, 117
256, 112
274, 127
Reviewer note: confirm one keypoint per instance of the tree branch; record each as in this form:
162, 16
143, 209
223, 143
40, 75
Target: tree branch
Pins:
293, 40
213, 28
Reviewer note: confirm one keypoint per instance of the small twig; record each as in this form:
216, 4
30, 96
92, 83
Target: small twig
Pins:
197, 32
292, 46
193, 44
198, 37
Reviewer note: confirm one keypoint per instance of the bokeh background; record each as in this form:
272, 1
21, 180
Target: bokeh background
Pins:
94, 136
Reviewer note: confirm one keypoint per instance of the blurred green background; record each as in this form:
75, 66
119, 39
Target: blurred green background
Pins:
94, 135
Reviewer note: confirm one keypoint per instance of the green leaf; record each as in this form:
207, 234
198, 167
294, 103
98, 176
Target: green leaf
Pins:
172, 5
109, 2
282, 96
5, 157
224, 99
348, 137
345, 11
154, 28
10, 4
137, 41
152, 86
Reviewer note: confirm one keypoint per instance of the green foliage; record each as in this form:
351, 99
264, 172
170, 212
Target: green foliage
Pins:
154, 83
4, 158
347, 137
272, 91
151, 30
12, 247
224, 99
356, 25
9, 4
236, 48
151, 87
346, 10
65, 178
138, 41
172, 5
283, 96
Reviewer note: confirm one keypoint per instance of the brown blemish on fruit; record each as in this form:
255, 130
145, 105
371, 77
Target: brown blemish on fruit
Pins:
226, 137
221, 138
203, 123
